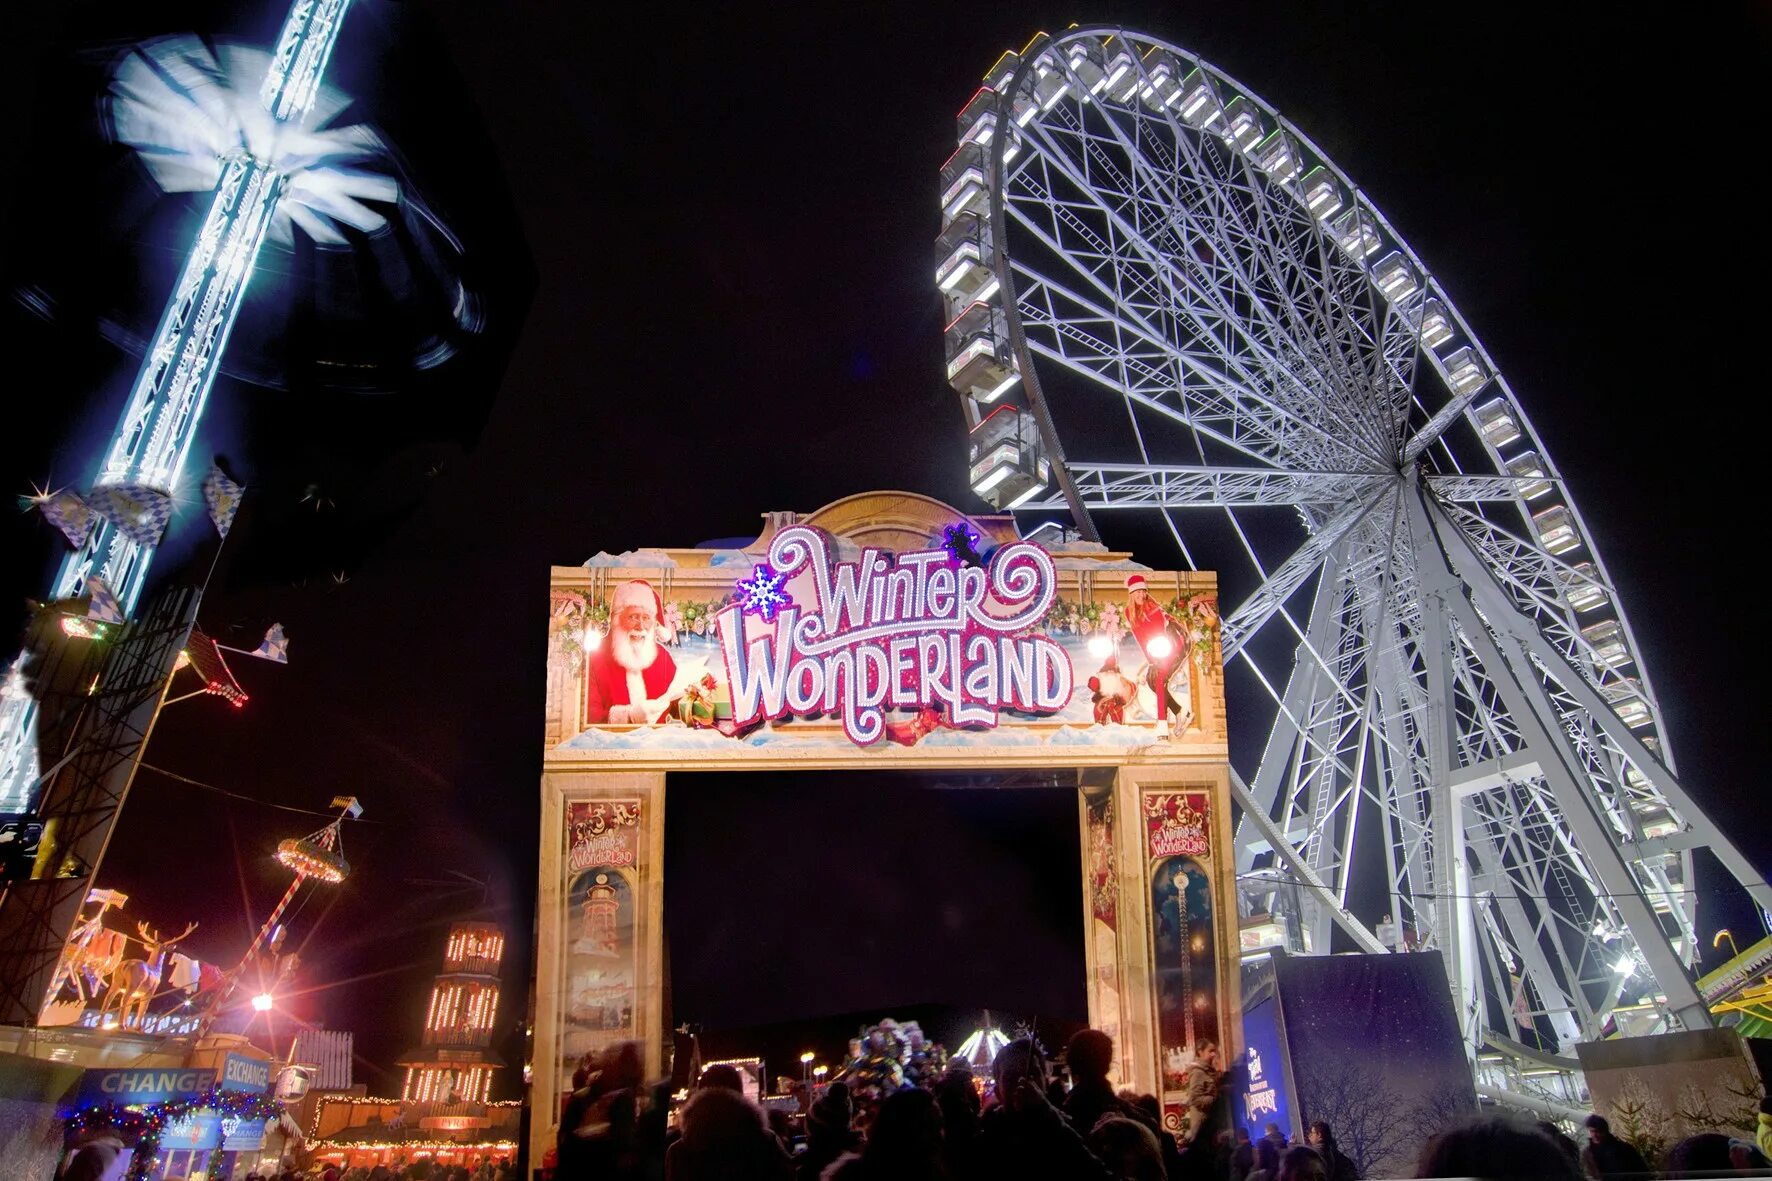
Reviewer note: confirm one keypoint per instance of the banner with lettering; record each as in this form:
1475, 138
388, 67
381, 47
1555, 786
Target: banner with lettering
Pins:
599, 993
813, 638
1184, 954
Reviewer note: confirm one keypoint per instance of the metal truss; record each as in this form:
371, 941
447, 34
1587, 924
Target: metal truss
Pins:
1444, 659
160, 418
97, 708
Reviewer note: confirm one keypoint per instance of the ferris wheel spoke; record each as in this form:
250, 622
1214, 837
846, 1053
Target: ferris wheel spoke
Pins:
1141, 278
1304, 875
1261, 604
1138, 227
1473, 488
1104, 347
1127, 486
1463, 671
1326, 303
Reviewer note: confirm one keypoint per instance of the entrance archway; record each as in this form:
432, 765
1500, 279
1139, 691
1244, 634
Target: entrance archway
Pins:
908, 637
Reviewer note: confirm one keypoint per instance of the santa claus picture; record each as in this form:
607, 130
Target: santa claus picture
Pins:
629, 677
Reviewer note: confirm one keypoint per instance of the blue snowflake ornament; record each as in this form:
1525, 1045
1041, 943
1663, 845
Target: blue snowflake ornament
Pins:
764, 593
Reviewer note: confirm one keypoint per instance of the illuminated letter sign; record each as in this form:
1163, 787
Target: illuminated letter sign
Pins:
904, 631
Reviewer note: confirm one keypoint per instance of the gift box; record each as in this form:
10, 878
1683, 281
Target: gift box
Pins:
704, 702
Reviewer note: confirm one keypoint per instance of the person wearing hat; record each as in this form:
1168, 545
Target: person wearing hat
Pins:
1148, 622
628, 677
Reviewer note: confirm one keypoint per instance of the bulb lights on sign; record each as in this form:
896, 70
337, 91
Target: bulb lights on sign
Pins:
895, 631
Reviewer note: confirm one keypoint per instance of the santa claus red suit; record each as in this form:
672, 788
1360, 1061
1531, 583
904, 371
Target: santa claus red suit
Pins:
628, 677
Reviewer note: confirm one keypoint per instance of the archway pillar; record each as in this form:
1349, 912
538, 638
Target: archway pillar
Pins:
1163, 981
600, 976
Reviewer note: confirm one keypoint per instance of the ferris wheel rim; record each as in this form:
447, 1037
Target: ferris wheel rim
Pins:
1497, 386
1513, 559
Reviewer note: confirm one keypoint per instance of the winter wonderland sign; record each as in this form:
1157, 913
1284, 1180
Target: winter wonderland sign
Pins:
920, 630
834, 630
885, 635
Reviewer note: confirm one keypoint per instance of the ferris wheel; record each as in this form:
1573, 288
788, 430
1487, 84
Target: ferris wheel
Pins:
1163, 297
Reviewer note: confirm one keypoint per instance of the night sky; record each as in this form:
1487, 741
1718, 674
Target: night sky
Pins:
702, 241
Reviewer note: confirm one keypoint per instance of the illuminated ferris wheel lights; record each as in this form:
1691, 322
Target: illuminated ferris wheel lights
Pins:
967, 188
1355, 234
1529, 468
1199, 100
1008, 466
1581, 586
978, 118
1497, 422
1322, 194
1243, 123
1428, 318
1278, 157
983, 366
1464, 371
1394, 277
1556, 530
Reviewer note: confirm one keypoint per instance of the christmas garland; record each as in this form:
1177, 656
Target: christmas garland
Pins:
148, 1122
574, 614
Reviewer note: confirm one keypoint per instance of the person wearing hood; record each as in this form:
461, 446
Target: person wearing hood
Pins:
829, 1132
725, 1138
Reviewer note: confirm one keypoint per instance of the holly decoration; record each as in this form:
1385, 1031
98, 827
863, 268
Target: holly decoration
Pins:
147, 1123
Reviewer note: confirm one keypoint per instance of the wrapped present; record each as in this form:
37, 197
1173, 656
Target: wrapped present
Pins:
704, 702
721, 695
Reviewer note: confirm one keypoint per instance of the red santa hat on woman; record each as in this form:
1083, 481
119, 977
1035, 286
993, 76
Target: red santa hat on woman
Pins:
637, 593
1134, 582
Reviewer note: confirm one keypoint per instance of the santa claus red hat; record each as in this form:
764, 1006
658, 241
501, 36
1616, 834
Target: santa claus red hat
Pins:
1134, 582
638, 593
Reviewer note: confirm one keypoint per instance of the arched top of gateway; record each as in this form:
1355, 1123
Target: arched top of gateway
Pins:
892, 521
888, 520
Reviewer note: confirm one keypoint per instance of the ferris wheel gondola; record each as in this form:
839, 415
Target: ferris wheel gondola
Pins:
1186, 308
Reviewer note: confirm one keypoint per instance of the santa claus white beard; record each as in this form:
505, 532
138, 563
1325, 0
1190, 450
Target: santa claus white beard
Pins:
633, 654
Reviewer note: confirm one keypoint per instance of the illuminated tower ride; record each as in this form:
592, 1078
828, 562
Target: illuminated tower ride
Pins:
454, 1062
1164, 298
272, 146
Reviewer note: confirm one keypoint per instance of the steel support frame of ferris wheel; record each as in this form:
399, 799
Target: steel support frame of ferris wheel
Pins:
1498, 766
160, 419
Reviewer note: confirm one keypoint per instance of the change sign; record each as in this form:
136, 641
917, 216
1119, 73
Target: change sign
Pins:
144, 1085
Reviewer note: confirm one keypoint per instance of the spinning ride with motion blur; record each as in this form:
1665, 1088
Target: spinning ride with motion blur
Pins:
1144, 261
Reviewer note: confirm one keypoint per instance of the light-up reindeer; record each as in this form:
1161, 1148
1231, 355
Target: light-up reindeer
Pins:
135, 982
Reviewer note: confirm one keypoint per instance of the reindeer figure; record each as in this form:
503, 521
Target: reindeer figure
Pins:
135, 982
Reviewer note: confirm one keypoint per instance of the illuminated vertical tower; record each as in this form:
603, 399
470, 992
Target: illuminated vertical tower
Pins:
453, 1062
148, 450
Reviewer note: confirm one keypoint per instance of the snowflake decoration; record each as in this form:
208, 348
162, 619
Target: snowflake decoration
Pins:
764, 592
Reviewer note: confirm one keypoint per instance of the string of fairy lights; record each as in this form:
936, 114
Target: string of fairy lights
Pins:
146, 1123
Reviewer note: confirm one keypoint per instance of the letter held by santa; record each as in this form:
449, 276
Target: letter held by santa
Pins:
629, 677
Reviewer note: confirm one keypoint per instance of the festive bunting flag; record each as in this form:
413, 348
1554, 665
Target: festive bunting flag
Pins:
69, 513
275, 646
103, 606
208, 663
139, 512
221, 496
